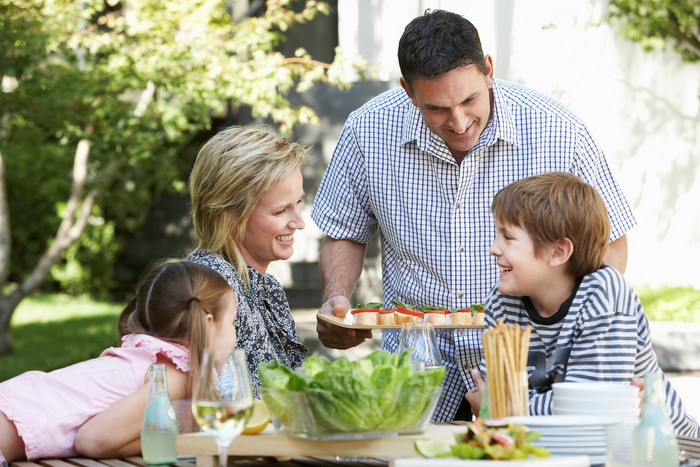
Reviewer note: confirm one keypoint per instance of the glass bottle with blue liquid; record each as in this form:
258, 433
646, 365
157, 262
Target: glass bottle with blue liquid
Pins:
159, 428
655, 443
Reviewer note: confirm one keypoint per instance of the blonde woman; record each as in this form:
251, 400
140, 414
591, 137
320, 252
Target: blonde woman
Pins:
246, 189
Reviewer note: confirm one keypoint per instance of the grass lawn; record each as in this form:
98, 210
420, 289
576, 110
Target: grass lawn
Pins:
53, 331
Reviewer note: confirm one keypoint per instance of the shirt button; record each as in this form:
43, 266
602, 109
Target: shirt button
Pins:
459, 205
460, 294
460, 250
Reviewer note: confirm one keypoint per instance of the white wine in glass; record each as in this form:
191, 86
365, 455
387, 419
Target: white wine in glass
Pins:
222, 401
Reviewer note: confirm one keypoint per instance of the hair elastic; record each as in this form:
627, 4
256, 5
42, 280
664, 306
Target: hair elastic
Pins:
193, 299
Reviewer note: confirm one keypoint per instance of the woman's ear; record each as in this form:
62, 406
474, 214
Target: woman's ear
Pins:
562, 250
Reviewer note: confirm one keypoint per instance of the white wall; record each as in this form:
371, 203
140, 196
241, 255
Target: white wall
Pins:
644, 108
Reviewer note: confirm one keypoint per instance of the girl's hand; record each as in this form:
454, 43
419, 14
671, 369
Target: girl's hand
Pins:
474, 395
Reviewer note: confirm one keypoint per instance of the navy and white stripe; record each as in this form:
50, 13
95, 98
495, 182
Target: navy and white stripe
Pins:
391, 175
605, 334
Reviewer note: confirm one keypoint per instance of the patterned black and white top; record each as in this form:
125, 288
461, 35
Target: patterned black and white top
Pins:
600, 334
264, 323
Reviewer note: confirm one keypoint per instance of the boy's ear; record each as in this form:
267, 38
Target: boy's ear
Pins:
562, 250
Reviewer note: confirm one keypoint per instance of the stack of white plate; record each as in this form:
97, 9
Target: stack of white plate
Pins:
569, 435
616, 401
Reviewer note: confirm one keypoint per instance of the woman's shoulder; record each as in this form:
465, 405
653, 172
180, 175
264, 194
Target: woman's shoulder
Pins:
218, 264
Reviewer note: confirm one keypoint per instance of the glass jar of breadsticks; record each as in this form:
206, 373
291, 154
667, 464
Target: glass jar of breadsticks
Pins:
506, 350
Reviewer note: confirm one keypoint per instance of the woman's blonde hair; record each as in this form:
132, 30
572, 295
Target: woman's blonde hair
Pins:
232, 171
557, 205
172, 302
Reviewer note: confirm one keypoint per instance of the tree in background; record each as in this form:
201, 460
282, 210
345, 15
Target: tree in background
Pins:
658, 23
98, 99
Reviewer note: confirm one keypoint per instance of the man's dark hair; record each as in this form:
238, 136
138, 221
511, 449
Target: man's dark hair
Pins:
436, 43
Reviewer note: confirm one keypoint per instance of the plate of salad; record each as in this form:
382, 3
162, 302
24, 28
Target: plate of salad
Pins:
498, 441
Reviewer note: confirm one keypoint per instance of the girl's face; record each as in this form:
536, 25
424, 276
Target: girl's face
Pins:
222, 333
522, 272
269, 234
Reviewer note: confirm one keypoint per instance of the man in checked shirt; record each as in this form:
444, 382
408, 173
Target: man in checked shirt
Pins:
420, 164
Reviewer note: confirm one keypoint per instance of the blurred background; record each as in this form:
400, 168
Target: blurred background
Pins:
103, 110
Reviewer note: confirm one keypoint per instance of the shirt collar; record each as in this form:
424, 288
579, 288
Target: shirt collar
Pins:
502, 124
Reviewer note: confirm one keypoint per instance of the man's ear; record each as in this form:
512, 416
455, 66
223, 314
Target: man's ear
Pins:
408, 90
561, 251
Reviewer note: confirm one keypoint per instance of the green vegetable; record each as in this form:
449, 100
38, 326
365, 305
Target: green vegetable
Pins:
381, 392
362, 306
508, 442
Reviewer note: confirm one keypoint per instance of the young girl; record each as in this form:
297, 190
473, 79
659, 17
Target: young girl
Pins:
95, 408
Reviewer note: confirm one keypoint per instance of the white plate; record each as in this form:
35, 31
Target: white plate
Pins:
553, 461
593, 390
592, 430
570, 451
565, 442
573, 421
576, 434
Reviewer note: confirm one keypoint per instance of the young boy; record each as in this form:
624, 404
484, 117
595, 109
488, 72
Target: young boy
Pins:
587, 323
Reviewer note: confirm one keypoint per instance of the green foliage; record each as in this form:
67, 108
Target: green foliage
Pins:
669, 303
655, 24
138, 84
84, 268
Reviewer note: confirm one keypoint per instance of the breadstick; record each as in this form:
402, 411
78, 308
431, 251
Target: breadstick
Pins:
506, 348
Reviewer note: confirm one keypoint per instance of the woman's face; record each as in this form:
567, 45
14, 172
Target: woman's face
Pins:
269, 234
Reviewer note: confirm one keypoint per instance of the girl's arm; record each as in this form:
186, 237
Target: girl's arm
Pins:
116, 431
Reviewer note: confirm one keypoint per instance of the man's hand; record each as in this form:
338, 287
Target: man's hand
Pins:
474, 395
336, 337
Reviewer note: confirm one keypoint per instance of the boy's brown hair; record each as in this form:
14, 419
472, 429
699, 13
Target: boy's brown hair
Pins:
557, 205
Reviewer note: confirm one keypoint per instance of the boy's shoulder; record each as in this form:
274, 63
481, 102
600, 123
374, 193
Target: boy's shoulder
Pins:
606, 291
606, 277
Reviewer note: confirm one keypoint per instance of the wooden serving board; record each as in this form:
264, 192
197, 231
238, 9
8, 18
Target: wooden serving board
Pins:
347, 323
270, 443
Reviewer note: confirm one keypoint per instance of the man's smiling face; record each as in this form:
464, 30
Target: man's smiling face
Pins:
455, 106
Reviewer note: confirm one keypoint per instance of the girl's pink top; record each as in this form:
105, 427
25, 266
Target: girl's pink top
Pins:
49, 408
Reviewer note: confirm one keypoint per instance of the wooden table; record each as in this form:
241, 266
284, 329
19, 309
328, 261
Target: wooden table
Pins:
271, 445
198, 450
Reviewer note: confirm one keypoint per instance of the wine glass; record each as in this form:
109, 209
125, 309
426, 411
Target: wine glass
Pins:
421, 339
222, 410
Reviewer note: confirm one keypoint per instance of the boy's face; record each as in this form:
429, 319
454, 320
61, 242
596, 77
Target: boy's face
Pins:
522, 271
